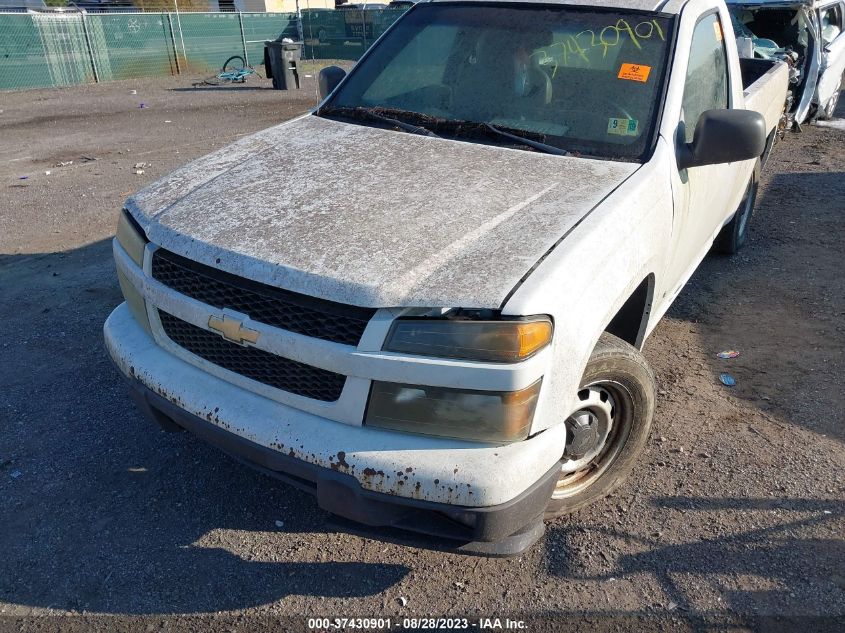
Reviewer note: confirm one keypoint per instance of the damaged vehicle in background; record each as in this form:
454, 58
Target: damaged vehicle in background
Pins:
808, 36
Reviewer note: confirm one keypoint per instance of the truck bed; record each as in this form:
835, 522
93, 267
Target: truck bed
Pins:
764, 84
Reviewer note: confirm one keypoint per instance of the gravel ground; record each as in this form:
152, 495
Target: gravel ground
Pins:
733, 520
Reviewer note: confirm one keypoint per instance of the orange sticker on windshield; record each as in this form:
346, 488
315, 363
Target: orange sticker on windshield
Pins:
717, 28
634, 72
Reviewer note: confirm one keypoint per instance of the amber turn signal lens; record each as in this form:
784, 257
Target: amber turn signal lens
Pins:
533, 336
492, 341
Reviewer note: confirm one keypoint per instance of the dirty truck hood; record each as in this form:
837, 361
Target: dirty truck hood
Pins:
373, 217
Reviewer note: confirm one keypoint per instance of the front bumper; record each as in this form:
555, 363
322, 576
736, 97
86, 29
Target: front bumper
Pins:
503, 530
481, 498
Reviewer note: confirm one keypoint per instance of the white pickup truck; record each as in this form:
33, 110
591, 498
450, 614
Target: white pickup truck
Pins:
425, 300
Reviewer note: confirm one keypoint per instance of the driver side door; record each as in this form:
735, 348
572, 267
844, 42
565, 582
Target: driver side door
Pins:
703, 195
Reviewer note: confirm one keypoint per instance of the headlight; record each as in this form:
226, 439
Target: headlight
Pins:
495, 341
132, 239
489, 416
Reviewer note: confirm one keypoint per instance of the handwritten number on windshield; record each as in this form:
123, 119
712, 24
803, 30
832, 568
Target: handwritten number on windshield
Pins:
609, 37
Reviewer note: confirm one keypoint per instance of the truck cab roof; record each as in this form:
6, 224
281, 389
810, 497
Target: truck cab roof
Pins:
780, 3
666, 6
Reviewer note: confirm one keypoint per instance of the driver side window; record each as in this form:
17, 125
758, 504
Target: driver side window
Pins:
420, 63
706, 86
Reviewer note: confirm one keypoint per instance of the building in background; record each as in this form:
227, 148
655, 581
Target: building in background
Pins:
226, 6
22, 5
269, 6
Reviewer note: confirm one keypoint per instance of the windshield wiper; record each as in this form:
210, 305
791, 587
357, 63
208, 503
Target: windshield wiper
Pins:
463, 127
543, 147
362, 112
369, 113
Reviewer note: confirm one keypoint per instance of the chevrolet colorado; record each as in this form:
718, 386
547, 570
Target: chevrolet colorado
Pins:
424, 301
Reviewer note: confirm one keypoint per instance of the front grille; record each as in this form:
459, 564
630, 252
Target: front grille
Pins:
275, 371
280, 308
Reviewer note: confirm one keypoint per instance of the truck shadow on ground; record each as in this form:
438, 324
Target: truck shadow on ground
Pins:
226, 88
104, 512
780, 303
768, 550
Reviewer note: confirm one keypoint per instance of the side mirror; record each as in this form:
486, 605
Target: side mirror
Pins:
724, 136
328, 79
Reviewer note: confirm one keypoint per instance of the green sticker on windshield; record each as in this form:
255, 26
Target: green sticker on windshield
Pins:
623, 127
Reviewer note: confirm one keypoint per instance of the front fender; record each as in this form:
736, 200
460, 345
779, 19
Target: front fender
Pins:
587, 277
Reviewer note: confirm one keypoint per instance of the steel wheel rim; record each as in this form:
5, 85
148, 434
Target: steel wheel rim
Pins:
612, 404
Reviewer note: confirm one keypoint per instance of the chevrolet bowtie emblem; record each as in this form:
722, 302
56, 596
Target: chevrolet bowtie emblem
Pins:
232, 329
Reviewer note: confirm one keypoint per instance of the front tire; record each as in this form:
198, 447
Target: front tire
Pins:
617, 401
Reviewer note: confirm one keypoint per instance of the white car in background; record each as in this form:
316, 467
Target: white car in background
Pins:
810, 36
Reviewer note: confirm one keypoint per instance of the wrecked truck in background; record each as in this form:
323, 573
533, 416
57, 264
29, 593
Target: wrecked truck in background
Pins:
808, 36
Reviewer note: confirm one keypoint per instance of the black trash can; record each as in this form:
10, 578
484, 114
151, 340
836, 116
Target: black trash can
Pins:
280, 60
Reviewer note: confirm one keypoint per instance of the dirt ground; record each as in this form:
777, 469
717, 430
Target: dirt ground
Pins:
734, 520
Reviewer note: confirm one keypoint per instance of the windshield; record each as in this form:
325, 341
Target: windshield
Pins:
584, 81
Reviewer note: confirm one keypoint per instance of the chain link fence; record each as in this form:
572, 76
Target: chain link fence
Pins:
62, 49
43, 50
344, 34
125, 45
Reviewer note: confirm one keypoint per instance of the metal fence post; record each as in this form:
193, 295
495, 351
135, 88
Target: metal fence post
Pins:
181, 36
90, 49
173, 41
300, 28
243, 37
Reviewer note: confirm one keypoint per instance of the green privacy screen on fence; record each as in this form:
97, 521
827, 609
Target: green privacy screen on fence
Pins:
330, 34
42, 50
131, 45
210, 38
61, 49
38, 50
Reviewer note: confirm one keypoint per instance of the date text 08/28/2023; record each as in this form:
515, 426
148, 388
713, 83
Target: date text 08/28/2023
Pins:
414, 624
